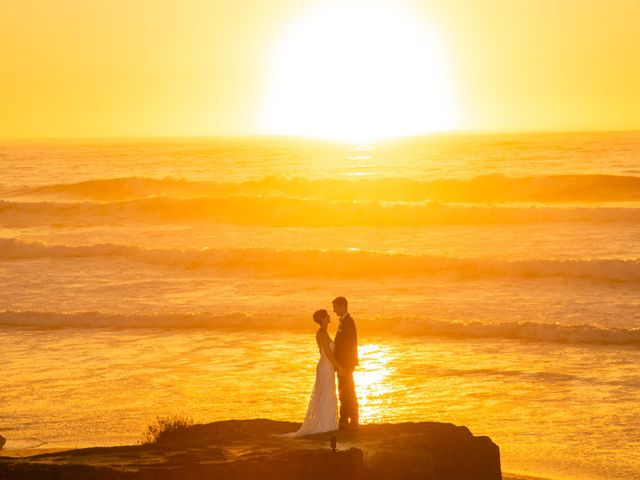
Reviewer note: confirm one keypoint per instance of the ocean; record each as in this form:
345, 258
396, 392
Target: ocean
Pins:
494, 281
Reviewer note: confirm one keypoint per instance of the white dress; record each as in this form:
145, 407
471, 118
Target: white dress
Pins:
322, 412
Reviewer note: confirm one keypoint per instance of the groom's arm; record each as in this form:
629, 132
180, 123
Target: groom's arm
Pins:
351, 333
351, 341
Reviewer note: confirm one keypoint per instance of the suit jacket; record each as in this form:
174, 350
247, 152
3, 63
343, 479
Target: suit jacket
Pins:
346, 343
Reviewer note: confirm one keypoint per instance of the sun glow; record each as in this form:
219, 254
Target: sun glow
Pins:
358, 71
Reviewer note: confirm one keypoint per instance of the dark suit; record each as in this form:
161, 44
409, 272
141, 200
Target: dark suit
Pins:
346, 353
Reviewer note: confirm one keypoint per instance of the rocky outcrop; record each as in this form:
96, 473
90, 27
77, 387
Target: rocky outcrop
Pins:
252, 449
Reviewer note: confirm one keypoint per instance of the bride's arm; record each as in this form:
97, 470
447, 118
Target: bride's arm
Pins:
323, 341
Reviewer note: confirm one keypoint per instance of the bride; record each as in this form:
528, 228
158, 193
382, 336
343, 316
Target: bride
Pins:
322, 412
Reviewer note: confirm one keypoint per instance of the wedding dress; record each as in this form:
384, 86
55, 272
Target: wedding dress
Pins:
322, 412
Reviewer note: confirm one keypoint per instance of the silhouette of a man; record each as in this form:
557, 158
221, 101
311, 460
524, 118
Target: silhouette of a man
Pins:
346, 353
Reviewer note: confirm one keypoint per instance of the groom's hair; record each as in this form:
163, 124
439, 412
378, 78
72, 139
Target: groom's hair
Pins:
319, 315
340, 301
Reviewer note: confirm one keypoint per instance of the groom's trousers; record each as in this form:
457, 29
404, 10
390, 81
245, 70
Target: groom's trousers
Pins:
348, 399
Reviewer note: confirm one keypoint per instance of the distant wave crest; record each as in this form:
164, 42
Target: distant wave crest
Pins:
527, 331
281, 211
494, 188
333, 264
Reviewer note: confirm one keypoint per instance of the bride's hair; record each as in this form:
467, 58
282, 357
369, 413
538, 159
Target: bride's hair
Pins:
318, 315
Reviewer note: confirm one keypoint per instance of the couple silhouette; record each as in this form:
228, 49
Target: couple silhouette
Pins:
339, 355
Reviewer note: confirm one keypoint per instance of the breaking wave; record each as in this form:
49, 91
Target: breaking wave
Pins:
527, 331
481, 189
333, 264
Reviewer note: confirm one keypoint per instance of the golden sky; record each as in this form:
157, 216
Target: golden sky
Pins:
109, 68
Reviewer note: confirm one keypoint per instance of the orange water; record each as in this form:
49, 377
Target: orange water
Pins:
548, 407
503, 297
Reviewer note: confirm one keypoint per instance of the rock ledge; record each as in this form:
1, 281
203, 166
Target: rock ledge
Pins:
252, 449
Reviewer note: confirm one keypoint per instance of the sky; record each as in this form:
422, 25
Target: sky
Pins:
116, 68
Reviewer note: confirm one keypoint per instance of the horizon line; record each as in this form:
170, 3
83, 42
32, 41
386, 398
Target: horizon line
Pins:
318, 138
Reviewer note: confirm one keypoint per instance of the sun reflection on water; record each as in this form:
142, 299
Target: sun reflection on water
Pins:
360, 161
372, 380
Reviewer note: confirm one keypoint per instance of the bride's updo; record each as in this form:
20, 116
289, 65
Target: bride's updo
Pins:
319, 315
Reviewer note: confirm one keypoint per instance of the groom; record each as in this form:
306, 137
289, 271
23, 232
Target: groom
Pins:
346, 353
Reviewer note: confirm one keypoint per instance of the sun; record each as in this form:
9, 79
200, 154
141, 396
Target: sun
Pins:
358, 70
